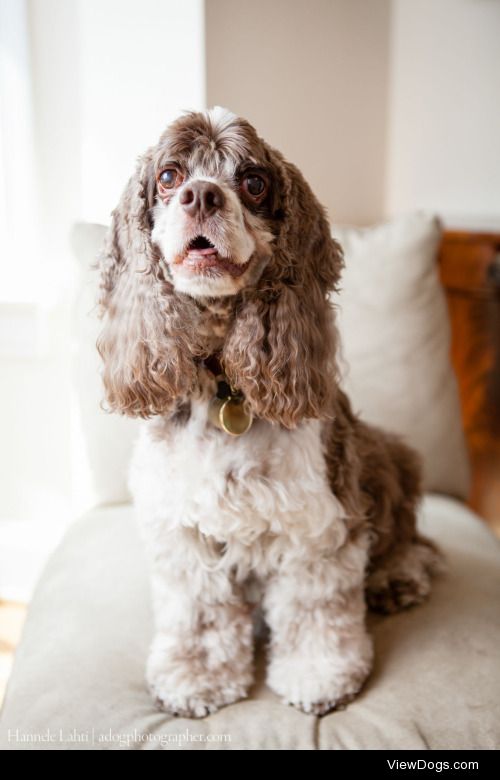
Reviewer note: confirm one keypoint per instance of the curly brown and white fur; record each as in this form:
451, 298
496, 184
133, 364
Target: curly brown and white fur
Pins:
312, 504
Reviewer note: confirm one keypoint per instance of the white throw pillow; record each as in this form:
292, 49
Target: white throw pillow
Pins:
104, 441
395, 337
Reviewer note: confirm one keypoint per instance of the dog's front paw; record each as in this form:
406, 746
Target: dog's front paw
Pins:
318, 684
194, 701
199, 680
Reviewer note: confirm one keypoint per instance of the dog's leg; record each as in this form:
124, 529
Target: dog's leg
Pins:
403, 562
202, 652
402, 578
320, 652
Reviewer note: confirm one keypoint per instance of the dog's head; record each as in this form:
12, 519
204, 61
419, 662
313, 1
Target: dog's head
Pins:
214, 212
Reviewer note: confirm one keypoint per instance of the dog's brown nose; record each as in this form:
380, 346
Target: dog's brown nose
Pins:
201, 198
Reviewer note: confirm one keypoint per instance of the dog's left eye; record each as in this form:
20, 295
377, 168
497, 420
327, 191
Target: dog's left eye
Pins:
254, 185
169, 179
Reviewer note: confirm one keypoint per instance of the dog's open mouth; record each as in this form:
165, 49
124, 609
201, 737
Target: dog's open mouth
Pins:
201, 244
202, 256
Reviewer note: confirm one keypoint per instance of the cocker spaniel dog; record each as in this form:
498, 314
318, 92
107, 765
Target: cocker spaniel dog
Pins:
251, 471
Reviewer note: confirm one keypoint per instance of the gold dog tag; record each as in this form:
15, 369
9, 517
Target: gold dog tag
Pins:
234, 417
228, 410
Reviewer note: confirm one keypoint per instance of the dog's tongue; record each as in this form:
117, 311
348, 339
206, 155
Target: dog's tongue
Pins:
202, 258
207, 251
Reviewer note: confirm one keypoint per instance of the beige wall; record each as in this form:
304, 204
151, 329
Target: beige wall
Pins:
444, 120
387, 106
312, 75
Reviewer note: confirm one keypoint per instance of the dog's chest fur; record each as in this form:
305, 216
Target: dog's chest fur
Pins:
253, 496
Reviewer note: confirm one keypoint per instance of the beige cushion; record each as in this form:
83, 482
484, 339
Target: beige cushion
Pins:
80, 667
395, 335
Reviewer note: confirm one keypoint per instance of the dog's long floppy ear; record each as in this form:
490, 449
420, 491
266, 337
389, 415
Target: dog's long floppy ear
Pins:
148, 362
281, 349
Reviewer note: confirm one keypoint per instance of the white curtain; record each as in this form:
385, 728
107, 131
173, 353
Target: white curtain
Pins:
18, 179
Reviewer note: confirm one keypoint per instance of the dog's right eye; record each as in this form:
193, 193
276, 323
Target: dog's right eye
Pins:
169, 179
